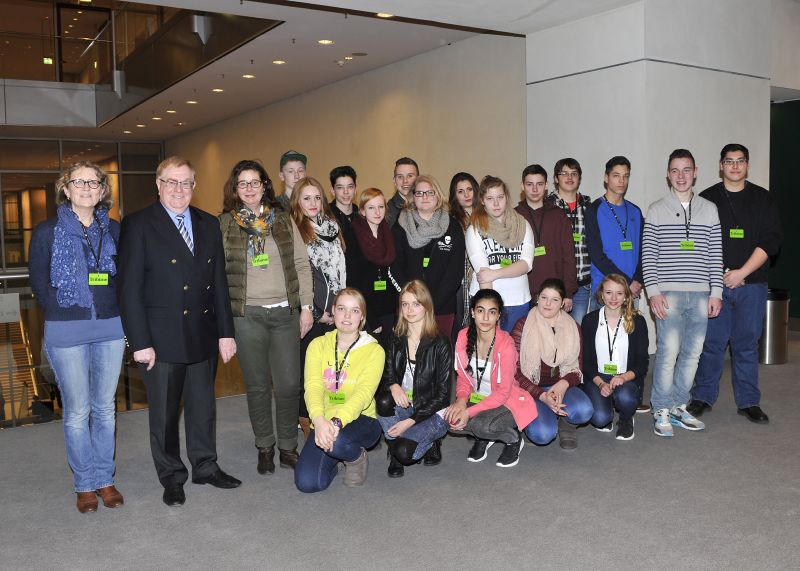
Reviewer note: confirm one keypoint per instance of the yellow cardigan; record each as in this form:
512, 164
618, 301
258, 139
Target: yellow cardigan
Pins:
360, 375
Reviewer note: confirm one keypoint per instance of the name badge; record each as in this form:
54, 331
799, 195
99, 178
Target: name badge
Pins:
737, 233
336, 398
610, 368
626, 245
539, 251
425, 262
260, 260
475, 398
687, 244
98, 279
379, 285
505, 262
577, 237
410, 395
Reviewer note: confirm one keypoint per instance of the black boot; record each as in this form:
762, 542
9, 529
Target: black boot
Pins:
434, 454
396, 469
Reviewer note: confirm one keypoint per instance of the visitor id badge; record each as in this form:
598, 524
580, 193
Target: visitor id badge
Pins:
737, 233
379, 285
687, 244
505, 262
610, 369
577, 237
425, 262
336, 398
539, 251
626, 245
98, 279
260, 260
410, 395
475, 398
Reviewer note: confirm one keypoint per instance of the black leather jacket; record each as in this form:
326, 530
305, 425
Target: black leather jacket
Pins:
432, 374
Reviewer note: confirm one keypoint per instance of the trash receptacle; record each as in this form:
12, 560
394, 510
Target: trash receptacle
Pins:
773, 347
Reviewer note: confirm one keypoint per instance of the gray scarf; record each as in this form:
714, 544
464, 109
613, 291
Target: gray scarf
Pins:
420, 231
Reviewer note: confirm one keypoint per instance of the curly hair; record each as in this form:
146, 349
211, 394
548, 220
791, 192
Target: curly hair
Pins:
66, 175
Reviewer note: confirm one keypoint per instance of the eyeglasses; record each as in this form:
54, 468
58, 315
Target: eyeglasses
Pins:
421, 193
80, 184
738, 162
569, 174
254, 184
172, 184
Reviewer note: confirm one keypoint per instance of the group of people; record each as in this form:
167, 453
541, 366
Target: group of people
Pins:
353, 313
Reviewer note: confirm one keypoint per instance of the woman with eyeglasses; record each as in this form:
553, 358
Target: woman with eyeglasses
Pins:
500, 249
463, 190
342, 371
373, 257
73, 273
269, 282
430, 247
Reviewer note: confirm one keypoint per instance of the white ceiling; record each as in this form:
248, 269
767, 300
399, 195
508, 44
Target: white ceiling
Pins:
310, 65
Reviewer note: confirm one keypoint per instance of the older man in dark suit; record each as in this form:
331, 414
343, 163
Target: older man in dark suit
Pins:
176, 314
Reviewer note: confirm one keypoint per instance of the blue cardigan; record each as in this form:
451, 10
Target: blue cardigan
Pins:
39, 256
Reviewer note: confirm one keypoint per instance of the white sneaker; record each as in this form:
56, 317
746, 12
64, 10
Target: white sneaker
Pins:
662, 425
679, 416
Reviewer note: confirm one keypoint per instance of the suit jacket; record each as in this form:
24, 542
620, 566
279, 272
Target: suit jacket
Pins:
169, 299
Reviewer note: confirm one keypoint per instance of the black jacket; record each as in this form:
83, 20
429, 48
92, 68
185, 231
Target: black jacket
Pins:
638, 344
434, 364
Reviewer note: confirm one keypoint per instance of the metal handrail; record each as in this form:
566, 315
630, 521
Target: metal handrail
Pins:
15, 274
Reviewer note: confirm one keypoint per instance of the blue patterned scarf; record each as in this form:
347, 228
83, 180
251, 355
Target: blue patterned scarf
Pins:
69, 270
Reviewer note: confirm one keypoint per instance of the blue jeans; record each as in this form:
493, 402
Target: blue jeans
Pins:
513, 314
87, 377
580, 303
739, 323
424, 433
625, 399
316, 469
679, 342
544, 428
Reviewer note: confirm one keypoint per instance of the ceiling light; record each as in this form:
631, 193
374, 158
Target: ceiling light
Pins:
278, 62
171, 111
127, 132
384, 15
191, 102
156, 118
348, 58
326, 42
179, 124
248, 76
217, 90
74, 19
140, 125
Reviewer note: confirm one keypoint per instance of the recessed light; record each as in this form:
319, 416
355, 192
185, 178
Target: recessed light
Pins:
248, 76
127, 132
156, 118
70, 26
191, 102
278, 62
326, 42
74, 19
384, 15
80, 11
140, 125
348, 58
217, 90
179, 124
171, 111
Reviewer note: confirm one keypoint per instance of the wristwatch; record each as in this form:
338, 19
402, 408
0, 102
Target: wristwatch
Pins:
309, 307
336, 422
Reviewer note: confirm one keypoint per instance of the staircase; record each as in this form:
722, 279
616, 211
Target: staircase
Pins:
20, 391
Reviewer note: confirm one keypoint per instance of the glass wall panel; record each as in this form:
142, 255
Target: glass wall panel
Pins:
27, 200
21, 154
140, 156
138, 191
104, 154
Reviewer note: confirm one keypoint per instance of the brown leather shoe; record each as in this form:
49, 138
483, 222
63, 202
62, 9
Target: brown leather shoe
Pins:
111, 497
87, 502
288, 458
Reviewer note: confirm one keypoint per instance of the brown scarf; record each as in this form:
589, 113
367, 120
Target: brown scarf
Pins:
380, 251
560, 349
509, 234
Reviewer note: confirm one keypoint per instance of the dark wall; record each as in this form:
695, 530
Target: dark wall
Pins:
784, 182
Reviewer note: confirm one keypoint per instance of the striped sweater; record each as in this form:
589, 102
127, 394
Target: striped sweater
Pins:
675, 261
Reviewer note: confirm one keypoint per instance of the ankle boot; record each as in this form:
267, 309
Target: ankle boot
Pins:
265, 463
434, 454
396, 469
356, 471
